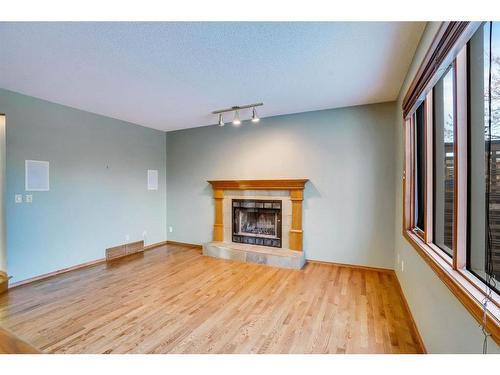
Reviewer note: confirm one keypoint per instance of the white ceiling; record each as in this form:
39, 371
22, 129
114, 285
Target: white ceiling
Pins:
172, 75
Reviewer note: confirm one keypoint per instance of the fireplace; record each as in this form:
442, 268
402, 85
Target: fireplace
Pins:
270, 216
257, 222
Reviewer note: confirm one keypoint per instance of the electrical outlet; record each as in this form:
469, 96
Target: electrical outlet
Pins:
19, 198
29, 198
170, 229
402, 266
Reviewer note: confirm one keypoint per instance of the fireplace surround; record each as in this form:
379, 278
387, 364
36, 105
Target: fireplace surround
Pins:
258, 221
294, 188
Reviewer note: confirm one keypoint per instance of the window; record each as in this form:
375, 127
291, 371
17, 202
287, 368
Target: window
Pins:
451, 185
484, 160
418, 119
444, 160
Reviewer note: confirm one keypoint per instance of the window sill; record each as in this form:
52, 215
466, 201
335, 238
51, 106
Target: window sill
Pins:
464, 285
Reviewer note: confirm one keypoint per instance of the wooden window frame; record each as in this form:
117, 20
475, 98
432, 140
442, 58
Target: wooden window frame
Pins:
420, 232
448, 47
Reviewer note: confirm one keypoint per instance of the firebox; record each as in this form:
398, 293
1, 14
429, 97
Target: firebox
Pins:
257, 222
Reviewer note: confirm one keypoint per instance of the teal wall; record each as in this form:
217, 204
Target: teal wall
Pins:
3, 247
98, 195
346, 153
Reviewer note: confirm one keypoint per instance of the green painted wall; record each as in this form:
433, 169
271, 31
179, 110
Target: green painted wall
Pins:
3, 247
98, 187
347, 154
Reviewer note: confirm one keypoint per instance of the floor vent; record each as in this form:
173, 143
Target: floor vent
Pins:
124, 250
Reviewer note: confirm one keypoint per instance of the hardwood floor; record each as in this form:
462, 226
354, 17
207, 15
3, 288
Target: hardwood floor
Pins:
173, 300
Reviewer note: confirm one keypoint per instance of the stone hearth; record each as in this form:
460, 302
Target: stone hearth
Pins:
255, 254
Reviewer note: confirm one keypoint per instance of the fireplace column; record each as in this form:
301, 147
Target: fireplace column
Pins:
295, 237
218, 222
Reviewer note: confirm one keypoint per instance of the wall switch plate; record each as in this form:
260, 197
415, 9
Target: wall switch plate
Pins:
144, 233
19, 198
29, 198
170, 229
402, 266
127, 237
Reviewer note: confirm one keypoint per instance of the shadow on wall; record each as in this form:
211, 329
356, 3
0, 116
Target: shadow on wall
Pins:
310, 192
207, 190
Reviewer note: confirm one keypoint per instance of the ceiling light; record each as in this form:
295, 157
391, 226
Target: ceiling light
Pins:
255, 118
236, 109
236, 120
221, 120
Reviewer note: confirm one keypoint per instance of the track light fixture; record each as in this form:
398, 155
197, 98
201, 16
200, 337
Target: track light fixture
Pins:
236, 109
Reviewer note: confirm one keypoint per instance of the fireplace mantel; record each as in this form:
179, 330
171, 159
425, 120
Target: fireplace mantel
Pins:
296, 191
281, 184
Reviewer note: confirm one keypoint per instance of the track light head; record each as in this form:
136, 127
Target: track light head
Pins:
236, 120
255, 118
221, 120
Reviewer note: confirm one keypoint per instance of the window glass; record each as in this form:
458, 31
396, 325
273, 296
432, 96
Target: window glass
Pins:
444, 161
484, 152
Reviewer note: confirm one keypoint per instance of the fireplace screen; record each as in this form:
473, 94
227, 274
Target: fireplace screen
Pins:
257, 222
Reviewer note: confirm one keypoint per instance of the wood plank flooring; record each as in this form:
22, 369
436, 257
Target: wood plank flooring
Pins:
174, 300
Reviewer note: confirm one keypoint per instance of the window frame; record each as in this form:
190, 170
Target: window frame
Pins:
448, 47
420, 232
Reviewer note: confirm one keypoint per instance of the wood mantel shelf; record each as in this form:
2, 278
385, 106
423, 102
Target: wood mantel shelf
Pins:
280, 184
294, 186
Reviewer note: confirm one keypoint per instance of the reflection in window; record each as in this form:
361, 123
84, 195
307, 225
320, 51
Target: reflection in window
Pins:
484, 156
444, 161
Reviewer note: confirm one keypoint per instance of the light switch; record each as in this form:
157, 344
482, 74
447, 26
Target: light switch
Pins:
19, 198
29, 198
